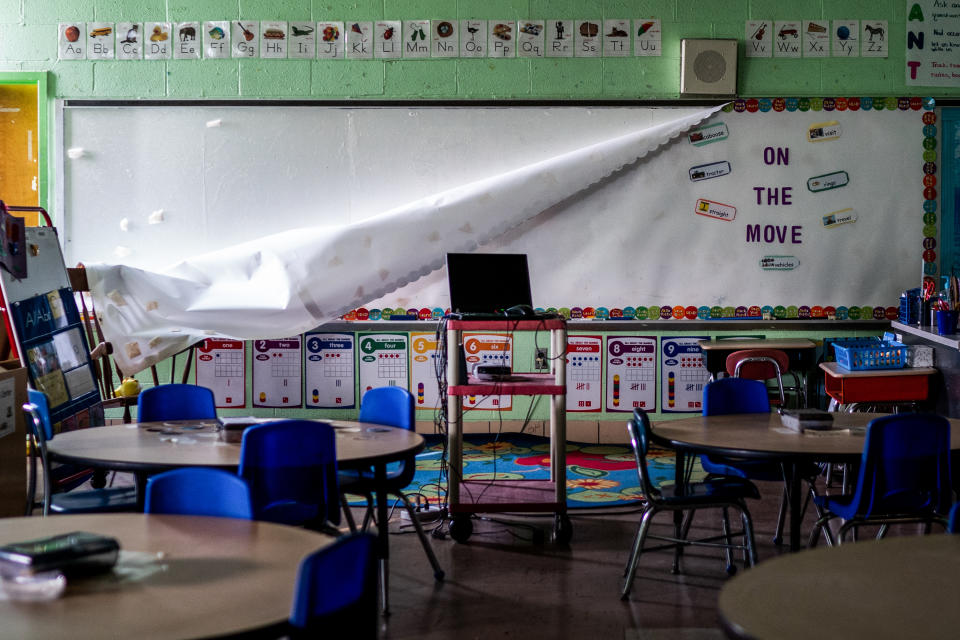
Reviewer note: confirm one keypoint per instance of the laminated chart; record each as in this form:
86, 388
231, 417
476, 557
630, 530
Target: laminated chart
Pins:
488, 348
584, 373
382, 361
631, 373
221, 368
682, 375
328, 370
423, 370
277, 373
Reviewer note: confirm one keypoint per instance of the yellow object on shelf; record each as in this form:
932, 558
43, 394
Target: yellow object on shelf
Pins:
129, 387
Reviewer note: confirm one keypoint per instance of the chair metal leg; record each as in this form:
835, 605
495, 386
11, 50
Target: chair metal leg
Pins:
781, 517
637, 550
347, 513
728, 550
748, 533
427, 548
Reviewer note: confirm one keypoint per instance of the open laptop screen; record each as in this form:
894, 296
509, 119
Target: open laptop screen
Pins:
487, 282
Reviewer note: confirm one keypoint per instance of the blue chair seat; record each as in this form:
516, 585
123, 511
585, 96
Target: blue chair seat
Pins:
710, 491
752, 469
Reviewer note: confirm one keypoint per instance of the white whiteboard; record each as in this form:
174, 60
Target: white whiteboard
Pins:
634, 240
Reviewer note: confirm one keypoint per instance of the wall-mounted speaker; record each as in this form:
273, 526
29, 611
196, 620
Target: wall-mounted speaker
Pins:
708, 67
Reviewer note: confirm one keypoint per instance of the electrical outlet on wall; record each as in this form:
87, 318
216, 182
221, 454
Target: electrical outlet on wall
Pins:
540, 360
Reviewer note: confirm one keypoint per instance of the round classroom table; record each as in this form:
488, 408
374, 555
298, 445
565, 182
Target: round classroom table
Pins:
763, 436
903, 587
177, 577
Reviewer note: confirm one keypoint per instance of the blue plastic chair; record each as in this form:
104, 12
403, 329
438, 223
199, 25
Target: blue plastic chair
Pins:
904, 476
291, 469
58, 481
953, 522
176, 402
336, 592
744, 395
394, 407
197, 491
719, 493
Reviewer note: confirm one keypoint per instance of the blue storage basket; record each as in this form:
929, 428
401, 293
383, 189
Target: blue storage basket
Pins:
859, 354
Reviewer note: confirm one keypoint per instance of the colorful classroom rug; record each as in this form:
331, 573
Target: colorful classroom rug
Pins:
598, 475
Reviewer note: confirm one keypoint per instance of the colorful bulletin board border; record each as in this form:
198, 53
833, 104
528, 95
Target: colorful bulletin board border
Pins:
927, 186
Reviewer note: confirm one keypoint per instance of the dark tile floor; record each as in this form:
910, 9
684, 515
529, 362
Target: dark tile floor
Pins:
501, 584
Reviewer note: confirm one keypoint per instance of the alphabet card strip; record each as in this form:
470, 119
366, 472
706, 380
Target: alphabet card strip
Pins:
616, 38
359, 43
647, 38
584, 373
328, 370
587, 39
187, 47
631, 373
423, 369
530, 39
129, 41
488, 348
416, 39
216, 39
382, 361
787, 43
682, 375
221, 368
387, 39
273, 40
873, 38
501, 42
816, 38
331, 45
277, 373
72, 41
846, 39
446, 39
758, 39
157, 45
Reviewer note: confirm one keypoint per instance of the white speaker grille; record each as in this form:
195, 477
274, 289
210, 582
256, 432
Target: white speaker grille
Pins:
708, 67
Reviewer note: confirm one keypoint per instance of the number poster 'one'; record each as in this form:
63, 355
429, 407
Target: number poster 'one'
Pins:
631, 373
328, 370
221, 368
488, 348
423, 370
682, 375
277, 373
382, 361
584, 373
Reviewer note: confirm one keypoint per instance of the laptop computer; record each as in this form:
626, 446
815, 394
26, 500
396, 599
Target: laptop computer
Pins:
489, 286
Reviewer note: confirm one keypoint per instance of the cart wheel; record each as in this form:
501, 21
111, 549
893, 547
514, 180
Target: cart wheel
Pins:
563, 530
731, 569
460, 528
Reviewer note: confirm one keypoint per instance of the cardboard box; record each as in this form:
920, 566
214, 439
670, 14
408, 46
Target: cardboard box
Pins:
13, 467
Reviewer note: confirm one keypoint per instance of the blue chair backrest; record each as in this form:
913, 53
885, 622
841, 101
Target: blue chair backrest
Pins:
39, 399
905, 465
391, 406
176, 402
953, 524
196, 491
336, 590
735, 395
639, 431
291, 469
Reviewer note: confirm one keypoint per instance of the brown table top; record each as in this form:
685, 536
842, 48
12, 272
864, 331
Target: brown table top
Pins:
756, 343
157, 446
903, 587
836, 371
216, 576
763, 435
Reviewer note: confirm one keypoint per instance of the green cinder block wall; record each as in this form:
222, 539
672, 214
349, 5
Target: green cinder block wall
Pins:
28, 42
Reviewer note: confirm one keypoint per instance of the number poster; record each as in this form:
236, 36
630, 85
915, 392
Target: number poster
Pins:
423, 370
220, 368
584, 373
328, 370
631, 373
682, 375
277, 373
382, 361
488, 348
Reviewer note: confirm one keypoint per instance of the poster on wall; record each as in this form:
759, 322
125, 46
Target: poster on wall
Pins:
631, 373
276, 373
584, 373
933, 43
221, 368
488, 348
423, 370
328, 370
683, 375
382, 361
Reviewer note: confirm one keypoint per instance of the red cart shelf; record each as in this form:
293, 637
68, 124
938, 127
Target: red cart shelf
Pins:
876, 385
